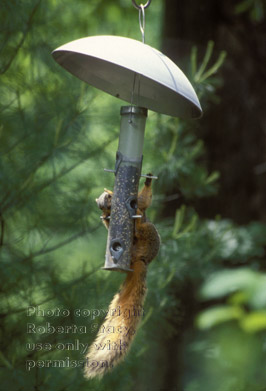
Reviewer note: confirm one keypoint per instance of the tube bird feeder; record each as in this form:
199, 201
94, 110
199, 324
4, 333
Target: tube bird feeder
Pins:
144, 77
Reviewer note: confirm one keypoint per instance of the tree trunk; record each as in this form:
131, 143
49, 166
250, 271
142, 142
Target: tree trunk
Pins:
233, 130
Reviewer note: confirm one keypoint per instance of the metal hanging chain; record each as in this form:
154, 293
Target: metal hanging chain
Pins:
141, 9
138, 6
142, 22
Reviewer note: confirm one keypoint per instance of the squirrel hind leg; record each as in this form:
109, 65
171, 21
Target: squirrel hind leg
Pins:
148, 181
146, 242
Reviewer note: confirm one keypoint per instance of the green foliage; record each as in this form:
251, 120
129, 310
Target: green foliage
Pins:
202, 73
195, 256
255, 9
178, 161
246, 292
204, 76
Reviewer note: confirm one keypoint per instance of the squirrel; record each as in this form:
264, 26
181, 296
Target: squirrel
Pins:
126, 309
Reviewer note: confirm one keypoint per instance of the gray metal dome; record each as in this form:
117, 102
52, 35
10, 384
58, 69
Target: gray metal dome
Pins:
116, 65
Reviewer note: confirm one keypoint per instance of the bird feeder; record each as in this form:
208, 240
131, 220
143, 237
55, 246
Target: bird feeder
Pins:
144, 77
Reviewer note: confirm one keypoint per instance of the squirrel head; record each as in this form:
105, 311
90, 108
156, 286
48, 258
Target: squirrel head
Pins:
104, 201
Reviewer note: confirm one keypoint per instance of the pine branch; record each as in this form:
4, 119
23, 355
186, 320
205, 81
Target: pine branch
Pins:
2, 230
39, 164
52, 297
21, 202
29, 25
3, 108
44, 251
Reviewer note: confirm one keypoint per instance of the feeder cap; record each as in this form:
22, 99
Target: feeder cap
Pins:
132, 71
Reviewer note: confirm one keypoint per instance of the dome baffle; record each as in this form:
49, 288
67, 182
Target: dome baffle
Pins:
117, 65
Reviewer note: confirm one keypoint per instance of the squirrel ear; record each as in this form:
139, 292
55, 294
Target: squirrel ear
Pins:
108, 191
96, 199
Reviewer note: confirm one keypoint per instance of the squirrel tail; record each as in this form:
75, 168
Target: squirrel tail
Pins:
119, 328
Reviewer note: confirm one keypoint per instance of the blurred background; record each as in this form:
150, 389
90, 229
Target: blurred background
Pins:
205, 314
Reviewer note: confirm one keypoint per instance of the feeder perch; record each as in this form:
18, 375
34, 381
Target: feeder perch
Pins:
147, 79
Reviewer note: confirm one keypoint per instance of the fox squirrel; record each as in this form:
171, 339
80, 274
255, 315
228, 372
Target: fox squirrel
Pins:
125, 310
